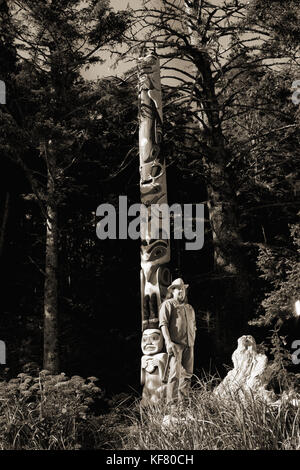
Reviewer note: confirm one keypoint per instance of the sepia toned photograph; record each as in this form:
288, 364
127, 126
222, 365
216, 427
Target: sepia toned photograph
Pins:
149, 228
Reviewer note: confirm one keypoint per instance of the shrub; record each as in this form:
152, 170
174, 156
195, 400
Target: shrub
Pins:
47, 412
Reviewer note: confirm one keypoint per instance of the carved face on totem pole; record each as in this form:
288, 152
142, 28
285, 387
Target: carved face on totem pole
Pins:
152, 342
153, 365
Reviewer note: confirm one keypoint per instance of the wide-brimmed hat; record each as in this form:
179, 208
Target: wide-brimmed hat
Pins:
177, 283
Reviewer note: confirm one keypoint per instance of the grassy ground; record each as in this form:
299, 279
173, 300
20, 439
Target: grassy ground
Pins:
208, 422
55, 413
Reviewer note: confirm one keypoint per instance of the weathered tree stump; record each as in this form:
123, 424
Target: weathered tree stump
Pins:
250, 375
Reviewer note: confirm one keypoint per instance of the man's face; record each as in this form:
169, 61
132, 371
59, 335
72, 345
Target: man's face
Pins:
152, 341
179, 294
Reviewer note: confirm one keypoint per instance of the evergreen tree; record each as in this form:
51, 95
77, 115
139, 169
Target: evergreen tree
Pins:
54, 109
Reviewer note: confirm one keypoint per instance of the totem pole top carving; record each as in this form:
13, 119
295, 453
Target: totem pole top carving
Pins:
152, 165
149, 79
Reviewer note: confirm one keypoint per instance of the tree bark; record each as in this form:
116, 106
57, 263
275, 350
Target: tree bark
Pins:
51, 353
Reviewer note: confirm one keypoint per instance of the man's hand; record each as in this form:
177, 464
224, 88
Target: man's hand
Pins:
170, 346
171, 349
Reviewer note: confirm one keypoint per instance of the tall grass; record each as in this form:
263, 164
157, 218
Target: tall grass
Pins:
54, 412
208, 422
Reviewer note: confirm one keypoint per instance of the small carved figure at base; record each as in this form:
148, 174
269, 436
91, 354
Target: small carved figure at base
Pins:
153, 367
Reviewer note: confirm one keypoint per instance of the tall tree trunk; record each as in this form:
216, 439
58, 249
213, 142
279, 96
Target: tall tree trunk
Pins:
232, 301
51, 353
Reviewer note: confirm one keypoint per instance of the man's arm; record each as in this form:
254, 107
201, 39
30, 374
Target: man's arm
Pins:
164, 321
194, 319
169, 343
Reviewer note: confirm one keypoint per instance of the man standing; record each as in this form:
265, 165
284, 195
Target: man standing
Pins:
178, 327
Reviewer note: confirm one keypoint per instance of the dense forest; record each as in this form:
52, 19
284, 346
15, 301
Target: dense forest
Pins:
71, 302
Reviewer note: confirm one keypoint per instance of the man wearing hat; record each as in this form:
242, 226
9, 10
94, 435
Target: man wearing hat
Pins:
178, 327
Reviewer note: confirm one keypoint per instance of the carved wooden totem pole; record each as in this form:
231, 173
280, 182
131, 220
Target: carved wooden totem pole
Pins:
155, 250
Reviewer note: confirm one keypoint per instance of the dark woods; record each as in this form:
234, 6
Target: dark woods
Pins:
71, 302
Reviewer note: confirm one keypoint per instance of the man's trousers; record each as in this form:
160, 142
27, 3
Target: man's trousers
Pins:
180, 373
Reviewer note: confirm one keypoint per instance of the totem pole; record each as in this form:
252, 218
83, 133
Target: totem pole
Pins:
155, 250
